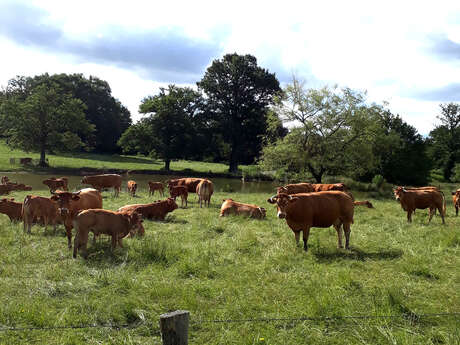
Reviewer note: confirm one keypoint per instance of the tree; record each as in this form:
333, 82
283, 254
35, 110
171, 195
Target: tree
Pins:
238, 93
167, 131
43, 118
445, 139
329, 127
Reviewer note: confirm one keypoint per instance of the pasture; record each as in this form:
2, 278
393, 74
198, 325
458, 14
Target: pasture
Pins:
236, 268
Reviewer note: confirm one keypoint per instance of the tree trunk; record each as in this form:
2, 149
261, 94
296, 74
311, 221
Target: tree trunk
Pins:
318, 175
42, 162
233, 164
167, 163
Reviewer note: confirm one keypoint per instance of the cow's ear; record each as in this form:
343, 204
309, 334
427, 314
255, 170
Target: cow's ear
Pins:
293, 199
54, 198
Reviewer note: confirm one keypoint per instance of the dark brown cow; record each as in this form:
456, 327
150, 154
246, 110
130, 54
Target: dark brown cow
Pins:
296, 188
320, 210
229, 206
115, 224
181, 191
132, 187
456, 200
69, 204
155, 210
11, 208
204, 190
153, 186
104, 181
18, 186
35, 207
420, 199
190, 182
56, 183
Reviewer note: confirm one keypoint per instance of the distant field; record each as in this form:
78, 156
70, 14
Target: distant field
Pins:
237, 269
98, 161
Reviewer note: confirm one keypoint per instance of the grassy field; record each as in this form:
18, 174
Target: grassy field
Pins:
97, 161
235, 269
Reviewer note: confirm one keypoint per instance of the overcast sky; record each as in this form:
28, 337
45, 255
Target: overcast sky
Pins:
406, 53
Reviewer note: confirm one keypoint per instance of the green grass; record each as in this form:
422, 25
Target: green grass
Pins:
81, 161
237, 268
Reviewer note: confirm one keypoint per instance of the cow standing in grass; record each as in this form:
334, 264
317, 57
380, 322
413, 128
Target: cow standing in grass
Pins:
132, 187
38, 207
204, 190
181, 191
420, 199
100, 182
456, 200
12, 209
319, 210
153, 186
56, 183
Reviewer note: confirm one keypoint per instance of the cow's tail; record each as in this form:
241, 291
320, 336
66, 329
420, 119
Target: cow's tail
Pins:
75, 243
444, 204
24, 211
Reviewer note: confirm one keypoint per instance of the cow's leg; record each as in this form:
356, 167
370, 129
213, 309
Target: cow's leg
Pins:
75, 245
441, 213
432, 210
114, 241
338, 228
347, 230
409, 216
456, 210
68, 232
306, 233
297, 237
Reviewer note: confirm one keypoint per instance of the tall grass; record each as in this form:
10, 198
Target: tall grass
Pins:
237, 268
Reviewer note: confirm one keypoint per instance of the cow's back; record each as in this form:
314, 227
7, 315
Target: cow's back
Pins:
105, 180
90, 198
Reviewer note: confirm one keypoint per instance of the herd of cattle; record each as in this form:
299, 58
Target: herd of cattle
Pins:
302, 205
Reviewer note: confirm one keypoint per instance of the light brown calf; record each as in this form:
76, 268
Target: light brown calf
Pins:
35, 207
181, 191
153, 186
132, 187
233, 207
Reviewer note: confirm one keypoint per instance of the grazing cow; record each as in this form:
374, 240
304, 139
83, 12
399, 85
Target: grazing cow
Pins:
456, 200
115, 224
319, 210
181, 191
296, 188
204, 190
132, 187
366, 203
18, 186
190, 182
153, 186
5, 179
412, 199
104, 181
155, 210
69, 204
56, 183
232, 207
35, 207
11, 208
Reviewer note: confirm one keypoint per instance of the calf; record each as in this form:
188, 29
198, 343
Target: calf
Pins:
366, 203
56, 183
156, 210
204, 190
153, 186
456, 200
181, 191
132, 187
412, 199
11, 208
35, 207
69, 204
232, 207
190, 182
115, 224
320, 210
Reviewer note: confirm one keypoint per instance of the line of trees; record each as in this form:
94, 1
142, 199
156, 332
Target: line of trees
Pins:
237, 114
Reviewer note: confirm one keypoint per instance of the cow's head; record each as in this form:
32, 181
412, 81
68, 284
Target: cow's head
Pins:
262, 212
281, 190
282, 202
398, 192
135, 223
172, 205
64, 200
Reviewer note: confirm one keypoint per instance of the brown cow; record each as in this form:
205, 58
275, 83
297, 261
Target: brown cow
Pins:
456, 200
181, 191
104, 181
204, 190
35, 207
190, 182
115, 224
11, 208
366, 203
412, 199
320, 210
69, 204
153, 186
132, 187
5, 180
324, 187
56, 183
155, 210
232, 207
296, 188
18, 186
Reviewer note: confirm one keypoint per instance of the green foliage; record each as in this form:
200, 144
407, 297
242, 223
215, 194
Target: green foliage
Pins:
455, 177
378, 181
238, 93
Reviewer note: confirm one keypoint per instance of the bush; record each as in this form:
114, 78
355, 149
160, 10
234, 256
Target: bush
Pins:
378, 181
455, 177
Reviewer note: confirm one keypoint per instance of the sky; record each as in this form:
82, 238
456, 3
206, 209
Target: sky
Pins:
406, 53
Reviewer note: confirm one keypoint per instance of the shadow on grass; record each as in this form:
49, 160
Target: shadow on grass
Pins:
325, 255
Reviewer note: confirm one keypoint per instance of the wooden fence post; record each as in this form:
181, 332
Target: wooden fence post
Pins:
174, 327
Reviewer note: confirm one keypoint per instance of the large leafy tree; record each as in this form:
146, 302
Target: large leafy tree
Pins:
445, 139
106, 113
42, 118
329, 126
167, 130
238, 93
